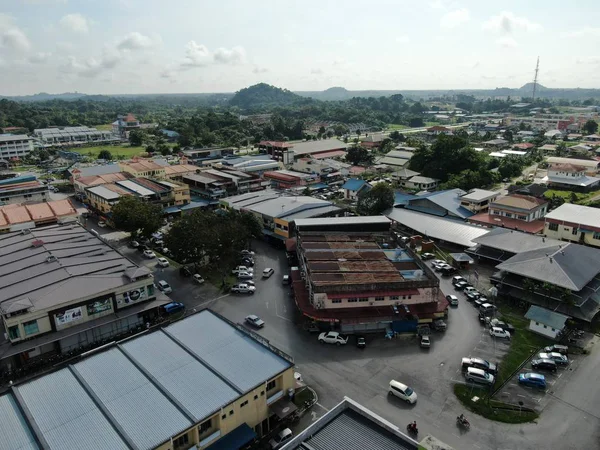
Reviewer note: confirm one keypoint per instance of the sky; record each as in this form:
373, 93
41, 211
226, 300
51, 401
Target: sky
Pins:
192, 46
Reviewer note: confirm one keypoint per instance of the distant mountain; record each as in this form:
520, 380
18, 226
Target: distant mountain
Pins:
262, 94
340, 93
44, 96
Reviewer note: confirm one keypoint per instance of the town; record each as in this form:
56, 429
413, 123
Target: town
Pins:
277, 269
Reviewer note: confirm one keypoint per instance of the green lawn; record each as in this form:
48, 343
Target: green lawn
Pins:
490, 409
582, 197
118, 151
104, 127
395, 126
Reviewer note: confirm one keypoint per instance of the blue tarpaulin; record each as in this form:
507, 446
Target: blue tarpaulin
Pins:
235, 439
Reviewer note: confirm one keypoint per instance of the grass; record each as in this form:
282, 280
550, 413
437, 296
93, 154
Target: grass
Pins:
123, 150
491, 409
395, 126
104, 127
582, 197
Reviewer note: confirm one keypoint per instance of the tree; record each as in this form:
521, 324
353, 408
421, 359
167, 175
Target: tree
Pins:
136, 138
359, 155
395, 136
105, 155
508, 135
590, 127
321, 130
416, 122
376, 200
136, 216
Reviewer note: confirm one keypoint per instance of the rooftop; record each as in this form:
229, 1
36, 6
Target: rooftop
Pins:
80, 171
354, 184
57, 264
422, 180
546, 317
445, 203
14, 137
512, 241
143, 392
582, 215
590, 164
479, 195
324, 145
486, 219
566, 167
343, 221
36, 212
524, 202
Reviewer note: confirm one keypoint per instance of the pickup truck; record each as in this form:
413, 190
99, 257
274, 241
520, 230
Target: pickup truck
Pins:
333, 337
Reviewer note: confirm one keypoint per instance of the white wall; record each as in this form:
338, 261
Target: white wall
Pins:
545, 330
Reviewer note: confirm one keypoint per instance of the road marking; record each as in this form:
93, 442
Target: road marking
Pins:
209, 301
321, 406
476, 446
456, 435
267, 305
521, 395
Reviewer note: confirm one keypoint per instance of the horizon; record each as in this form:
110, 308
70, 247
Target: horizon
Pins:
147, 47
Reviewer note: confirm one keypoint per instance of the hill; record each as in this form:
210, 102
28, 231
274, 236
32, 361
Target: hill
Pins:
261, 95
43, 96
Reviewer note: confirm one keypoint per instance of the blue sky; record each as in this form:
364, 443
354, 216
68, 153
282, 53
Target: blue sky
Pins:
151, 46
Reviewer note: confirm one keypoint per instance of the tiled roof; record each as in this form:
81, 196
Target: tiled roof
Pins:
525, 202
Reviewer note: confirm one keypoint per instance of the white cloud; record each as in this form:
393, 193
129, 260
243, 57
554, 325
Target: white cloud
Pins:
136, 41
196, 55
507, 42
39, 58
316, 71
507, 22
588, 60
455, 18
235, 55
13, 39
584, 32
403, 39
260, 70
92, 67
75, 23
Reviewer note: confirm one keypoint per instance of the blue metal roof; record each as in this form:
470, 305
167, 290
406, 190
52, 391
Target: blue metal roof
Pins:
400, 198
449, 200
13, 427
546, 317
354, 184
171, 210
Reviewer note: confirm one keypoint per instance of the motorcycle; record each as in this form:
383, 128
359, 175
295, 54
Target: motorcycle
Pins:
463, 422
410, 428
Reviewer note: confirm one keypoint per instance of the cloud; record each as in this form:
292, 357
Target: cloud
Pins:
136, 41
260, 70
75, 23
584, 32
316, 71
455, 18
588, 60
507, 22
39, 58
235, 55
403, 39
13, 39
507, 42
196, 55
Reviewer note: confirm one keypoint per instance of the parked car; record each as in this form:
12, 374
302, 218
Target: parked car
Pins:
268, 272
531, 379
162, 262
198, 278
461, 285
479, 363
439, 325
245, 275
134, 244
248, 262
361, 342
426, 256
474, 375
247, 253
479, 301
472, 295
559, 359
499, 333
505, 326
243, 288
286, 279
448, 270
242, 269
101, 223
452, 300
281, 439
333, 337
402, 391
186, 271
544, 364
255, 321
457, 278
164, 287
562, 349
149, 254
469, 289
425, 342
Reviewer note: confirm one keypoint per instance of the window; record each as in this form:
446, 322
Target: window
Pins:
150, 290
522, 217
545, 326
574, 231
553, 226
409, 297
352, 300
224, 416
231, 412
537, 323
336, 301
13, 332
271, 385
379, 299
181, 441
404, 297
256, 397
596, 235
243, 404
363, 299
262, 393
31, 327
205, 426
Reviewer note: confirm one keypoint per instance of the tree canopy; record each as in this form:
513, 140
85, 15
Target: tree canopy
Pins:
136, 216
358, 155
590, 127
105, 154
376, 200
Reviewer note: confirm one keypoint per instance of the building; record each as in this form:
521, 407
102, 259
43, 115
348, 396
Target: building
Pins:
279, 151
396, 158
15, 146
564, 278
201, 382
23, 189
575, 223
177, 171
372, 141
124, 125
81, 183
351, 426
420, 183
213, 184
403, 174
327, 169
501, 244
513, 152
78, 170
540, 123
353, 187
495, 143
62, 288
251, 164
545, 322
548, 149
19, 217
524, 146
287, 179
591, 165
592, 138
207, 156
278, 212
514, 211
553, 134
442, 203
478, 200
358, 281
570, 176
437, 130
320, 149
143, 168
73, 136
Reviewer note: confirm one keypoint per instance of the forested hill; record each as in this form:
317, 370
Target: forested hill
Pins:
264, 95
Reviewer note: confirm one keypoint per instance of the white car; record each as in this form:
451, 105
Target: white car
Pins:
281, 439
164, 287
162, 262
239, 269
479, 376
243, 288
198, 278
101, 223
333, 337
255, 321
149, 254
469, 289
403, 392
499, 333
268, 272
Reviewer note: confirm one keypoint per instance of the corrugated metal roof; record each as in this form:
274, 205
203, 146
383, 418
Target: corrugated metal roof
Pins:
13, 427
197, 388
514, 241
343, 221
146, 415
135, 187
582, 215
67, 416
448, 230
244, 362
547, 317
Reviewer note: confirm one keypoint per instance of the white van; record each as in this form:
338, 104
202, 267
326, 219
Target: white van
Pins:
164, 287
486, 308
403, 392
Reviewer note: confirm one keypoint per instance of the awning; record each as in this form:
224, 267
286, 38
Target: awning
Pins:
283, 408
234, 440
171, 210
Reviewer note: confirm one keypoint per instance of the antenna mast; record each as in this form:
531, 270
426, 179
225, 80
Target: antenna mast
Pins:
535, 79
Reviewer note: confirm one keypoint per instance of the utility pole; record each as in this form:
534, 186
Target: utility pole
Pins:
535, 79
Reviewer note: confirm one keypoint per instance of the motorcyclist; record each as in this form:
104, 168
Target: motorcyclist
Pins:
463, 419
413, 426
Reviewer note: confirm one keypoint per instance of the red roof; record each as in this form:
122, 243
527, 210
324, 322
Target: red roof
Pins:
533, 227
524, 145
280, 176
438, 128
375, 293
278, 144
329, 154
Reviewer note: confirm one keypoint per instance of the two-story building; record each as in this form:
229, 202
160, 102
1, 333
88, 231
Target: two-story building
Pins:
23, 189
574, 223
478, 200
570, 176
514, 211
201, 382
353, 188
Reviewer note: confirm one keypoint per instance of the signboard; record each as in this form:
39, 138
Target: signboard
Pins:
130, 297
98, 306
70, 315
